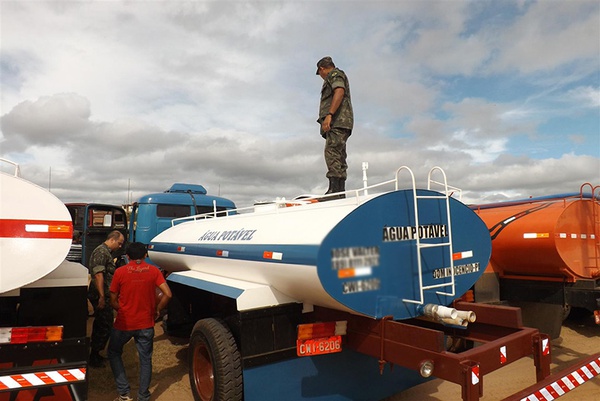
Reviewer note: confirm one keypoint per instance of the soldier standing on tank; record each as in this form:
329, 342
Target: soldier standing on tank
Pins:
102, 268
337, 120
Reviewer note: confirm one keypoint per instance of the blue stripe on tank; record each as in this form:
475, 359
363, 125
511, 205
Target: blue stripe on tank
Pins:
291, 254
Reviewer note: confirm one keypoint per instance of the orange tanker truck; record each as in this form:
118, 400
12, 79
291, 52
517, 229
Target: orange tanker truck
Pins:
545, 256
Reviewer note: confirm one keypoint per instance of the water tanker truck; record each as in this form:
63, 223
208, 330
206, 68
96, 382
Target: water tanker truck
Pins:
43, 304
318, 298
545, 256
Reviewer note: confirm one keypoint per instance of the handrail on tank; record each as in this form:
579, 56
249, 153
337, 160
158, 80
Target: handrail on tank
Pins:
538, 199
17, 172
353, 193
592, 188
412, 176
444, 184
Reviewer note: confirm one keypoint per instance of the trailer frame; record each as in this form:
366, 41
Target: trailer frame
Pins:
499, 336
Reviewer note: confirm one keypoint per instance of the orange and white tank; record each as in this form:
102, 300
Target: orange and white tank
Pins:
35, 231
555, 237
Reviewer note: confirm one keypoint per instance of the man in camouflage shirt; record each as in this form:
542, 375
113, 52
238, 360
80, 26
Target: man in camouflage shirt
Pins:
337, 120
102, 268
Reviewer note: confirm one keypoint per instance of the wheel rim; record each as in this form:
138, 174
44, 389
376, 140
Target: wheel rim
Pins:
204, 378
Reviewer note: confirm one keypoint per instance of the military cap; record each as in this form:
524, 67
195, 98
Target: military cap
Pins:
325, 61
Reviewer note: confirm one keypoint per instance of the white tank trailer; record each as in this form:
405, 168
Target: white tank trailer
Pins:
385, 254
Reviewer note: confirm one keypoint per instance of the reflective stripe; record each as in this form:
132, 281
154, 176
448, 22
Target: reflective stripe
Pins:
10, 228
39, 379
566, 383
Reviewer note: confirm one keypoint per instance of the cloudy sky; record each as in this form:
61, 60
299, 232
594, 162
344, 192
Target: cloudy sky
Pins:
110, 100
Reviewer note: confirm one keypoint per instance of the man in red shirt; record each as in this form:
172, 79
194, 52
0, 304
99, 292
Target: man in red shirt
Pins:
133, 296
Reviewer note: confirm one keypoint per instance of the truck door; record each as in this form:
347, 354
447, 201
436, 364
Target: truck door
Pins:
92, 223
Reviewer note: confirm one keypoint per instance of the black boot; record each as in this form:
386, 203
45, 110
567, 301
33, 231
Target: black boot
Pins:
331, 188
340, 187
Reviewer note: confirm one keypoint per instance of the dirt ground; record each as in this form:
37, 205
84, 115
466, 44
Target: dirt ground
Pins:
579, 337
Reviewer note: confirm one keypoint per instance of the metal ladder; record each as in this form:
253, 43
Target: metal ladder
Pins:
595, 220
420, 246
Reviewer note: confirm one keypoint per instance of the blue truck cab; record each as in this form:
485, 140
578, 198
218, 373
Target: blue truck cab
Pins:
153, 213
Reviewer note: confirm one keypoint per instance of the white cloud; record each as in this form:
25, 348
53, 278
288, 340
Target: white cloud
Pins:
480, 150
224, 94
549, 35
586, 97
46, 121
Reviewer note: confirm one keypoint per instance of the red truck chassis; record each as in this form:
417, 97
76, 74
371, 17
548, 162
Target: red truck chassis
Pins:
498, 336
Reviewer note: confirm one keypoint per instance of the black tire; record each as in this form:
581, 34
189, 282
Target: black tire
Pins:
215, 367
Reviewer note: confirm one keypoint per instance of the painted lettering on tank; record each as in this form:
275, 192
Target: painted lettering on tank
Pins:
353, 257
405, 233
209, 236
232, 235
352, 287
458, 270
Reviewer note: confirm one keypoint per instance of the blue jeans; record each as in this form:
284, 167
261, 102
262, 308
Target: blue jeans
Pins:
144, 341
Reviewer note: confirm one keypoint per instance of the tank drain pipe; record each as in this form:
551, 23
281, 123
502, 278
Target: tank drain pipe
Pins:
438, 311
467, 315
449, 316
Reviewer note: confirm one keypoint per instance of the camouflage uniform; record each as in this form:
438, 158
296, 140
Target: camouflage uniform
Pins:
342, 123
101, 260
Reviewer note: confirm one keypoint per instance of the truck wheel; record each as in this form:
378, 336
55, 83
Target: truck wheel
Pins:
215, 364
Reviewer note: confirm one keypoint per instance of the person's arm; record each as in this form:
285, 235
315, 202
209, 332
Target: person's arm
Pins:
99, 278
114, 300
338, 96
164, 299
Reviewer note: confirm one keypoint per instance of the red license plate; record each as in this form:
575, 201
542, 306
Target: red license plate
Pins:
319, 346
